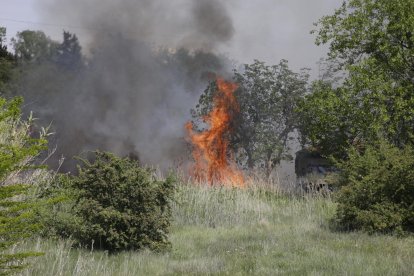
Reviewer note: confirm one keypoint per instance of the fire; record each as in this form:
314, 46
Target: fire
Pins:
210, 151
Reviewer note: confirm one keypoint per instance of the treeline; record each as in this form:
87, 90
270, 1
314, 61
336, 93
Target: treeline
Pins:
33, 49
110, 98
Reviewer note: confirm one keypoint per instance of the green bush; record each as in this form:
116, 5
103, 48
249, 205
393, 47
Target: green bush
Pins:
377, 190
58, 220
121, 205
17, 209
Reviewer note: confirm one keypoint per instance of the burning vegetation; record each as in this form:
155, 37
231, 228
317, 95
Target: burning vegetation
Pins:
213, 162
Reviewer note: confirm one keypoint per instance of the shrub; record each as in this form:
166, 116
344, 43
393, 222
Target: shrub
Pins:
58, 220
17, 211
377, 193
122, 205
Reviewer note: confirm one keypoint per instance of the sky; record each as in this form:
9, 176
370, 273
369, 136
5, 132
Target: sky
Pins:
268, 30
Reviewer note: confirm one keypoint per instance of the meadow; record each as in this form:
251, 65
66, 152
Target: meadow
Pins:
225, 231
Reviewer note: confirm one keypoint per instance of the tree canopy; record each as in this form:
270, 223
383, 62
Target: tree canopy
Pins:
267, 96
373, 42
7, 63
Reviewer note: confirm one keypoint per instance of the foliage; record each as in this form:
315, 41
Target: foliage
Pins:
48, 77
377, 190
17, 212
333, 120
16, 222
58, 220
7, 64
122, 205
373, 41
267, 96
34, 46
68, 53
378, 30
17, 146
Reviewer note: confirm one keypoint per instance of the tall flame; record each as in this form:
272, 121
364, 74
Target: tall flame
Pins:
210, 147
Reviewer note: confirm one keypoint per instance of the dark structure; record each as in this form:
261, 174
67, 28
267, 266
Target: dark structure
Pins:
311, 170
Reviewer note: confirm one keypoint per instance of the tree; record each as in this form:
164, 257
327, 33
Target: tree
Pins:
7, 64
34, 46
267, 96
49, 77
334, 119
375, 30
17, 212
373, 41
69, 52
4, 53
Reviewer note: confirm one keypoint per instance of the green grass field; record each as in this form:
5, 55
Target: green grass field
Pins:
239, 232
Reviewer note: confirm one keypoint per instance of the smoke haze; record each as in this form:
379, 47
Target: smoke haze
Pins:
148, 62
119, 38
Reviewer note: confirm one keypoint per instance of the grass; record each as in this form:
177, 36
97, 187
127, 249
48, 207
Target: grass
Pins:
224, 231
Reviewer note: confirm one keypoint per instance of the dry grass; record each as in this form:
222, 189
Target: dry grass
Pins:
240, 232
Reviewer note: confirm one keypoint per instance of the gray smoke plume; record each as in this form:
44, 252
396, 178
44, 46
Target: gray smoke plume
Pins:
147, 63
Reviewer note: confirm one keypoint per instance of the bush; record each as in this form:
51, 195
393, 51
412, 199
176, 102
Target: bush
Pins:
58, 220
121, 205
17, 210
377, 192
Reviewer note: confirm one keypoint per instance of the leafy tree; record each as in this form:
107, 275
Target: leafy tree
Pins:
267, 96
4, 53
48, 76
373, 41
375, 30
7, 64
69, 53
34, 46
334, 119
17, 212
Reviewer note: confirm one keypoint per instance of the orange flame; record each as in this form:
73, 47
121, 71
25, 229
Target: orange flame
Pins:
210, 150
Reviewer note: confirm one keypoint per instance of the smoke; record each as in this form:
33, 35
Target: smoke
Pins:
148, 62
180, 23
212, 22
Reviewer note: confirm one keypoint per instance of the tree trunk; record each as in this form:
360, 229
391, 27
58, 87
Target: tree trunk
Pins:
250, 161
269, 166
